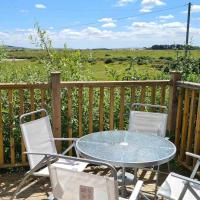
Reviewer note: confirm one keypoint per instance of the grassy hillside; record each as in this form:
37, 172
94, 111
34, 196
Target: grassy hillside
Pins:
104, 64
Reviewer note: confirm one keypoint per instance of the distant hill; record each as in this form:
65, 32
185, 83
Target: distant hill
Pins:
173, 46
10, 48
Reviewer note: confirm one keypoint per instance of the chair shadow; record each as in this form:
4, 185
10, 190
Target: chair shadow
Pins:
9, 183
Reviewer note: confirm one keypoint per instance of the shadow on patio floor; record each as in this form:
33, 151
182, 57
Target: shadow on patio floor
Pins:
41, 189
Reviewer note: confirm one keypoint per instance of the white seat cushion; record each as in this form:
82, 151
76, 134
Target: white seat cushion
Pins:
173, 186
65, 164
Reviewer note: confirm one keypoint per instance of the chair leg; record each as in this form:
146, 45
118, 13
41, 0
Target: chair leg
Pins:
20, 186
21, 189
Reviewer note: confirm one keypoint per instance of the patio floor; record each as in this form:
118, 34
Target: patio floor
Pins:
9, 182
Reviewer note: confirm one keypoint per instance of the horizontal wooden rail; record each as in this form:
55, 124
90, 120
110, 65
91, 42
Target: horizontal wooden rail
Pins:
6, 86
114, 83
189, 85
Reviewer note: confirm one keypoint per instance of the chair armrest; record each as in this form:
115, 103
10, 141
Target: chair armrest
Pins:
40, 154
136, 191
185, 178
65, 139
192, 155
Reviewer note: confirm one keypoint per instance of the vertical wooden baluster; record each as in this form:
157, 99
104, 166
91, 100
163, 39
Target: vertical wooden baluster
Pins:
153, 97
142, 99
32, 99
80, 111
121, 114
90, 109
12, 143
191, 126
111, 108
197, 131
43, 100
179, 120
185, 125
101, 109
1, 133
132, 95
21, 110
162, 98
69, 115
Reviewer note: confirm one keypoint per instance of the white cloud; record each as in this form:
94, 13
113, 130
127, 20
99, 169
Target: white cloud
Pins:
148, 5
122, 3
146, 10
108, 22
153, 3
30, 30
194, 9
40, 6
166, 17
109, 25
4, 35
138, 34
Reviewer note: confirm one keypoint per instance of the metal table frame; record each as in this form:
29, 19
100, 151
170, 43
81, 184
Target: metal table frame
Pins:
135, 165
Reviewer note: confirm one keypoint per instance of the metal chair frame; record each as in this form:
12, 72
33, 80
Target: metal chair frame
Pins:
157, 171
43, 162
136, 191
189, 180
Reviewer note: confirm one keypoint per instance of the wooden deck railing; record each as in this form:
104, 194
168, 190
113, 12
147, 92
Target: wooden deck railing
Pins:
187, 137
79, 108
16, 99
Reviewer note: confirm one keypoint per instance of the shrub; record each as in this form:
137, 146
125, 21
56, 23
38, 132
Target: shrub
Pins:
108, 60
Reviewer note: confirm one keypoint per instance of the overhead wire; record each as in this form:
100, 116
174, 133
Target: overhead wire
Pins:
127, 17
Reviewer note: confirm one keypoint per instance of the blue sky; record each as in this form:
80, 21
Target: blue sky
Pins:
99, 24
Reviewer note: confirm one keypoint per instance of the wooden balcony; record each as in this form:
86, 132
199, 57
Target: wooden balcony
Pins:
79, 108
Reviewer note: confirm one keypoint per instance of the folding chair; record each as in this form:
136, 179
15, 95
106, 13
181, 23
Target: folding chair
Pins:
148, 122
39, 140
74, 185
178, 187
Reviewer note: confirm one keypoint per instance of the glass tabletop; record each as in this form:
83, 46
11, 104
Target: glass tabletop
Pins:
126, 149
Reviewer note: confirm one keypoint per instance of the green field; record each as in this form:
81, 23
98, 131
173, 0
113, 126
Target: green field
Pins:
147, 64
32, 54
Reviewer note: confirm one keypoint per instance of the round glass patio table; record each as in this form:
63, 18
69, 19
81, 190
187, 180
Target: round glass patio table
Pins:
126, 149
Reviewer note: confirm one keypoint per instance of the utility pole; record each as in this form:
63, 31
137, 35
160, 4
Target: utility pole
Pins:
188, 29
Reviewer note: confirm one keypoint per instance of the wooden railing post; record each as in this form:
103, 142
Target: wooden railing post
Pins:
56, 106
173, 101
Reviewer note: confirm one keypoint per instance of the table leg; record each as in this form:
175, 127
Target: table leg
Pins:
157, 177
123, 182
135, 176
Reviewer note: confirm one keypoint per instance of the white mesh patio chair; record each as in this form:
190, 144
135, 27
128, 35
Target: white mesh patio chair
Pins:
39, 140
148, 122
74, 185
178, 187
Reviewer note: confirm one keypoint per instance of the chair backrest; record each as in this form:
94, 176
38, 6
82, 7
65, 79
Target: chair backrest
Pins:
73, 185
38, 138
148, 122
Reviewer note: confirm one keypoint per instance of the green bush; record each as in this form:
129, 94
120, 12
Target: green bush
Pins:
108, 60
